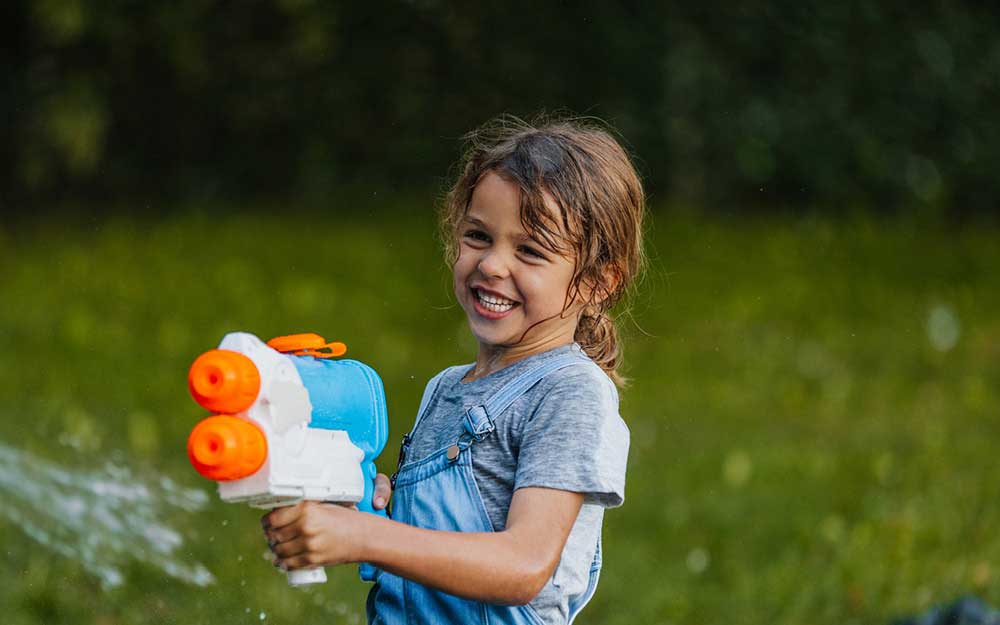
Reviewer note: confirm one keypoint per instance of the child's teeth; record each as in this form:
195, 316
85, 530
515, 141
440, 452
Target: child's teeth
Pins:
494, 303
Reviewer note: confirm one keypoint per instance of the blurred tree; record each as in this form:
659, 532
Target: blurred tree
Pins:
747, 103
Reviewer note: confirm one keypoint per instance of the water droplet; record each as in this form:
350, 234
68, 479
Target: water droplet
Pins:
698, 560
943, 328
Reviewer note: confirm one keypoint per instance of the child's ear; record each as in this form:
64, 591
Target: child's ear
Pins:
605, 287
612, 278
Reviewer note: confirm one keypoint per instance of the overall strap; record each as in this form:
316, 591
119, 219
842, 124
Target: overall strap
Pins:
480, 420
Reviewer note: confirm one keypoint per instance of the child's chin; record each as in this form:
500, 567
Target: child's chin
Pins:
489, 336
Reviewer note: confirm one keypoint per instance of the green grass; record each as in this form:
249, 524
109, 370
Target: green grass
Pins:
802, 452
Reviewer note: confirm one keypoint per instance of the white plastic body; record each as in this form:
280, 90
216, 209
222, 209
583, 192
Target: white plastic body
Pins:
305, 577
302, 462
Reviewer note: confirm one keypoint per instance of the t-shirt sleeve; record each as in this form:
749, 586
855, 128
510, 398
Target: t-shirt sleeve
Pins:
575, 439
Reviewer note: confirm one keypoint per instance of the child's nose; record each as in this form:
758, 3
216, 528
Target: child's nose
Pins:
494, 265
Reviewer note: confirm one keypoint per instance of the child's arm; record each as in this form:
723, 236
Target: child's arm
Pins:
508, 567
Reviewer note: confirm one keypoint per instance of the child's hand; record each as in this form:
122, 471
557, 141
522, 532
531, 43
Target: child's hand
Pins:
312, 534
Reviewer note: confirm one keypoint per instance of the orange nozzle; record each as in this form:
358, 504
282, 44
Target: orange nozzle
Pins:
224, 381
223, 447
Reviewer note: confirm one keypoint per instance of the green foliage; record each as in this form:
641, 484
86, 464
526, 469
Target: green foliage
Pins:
727, 103
813, 405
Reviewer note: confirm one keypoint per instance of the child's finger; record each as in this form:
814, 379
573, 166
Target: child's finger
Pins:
280, 536
300, 561
383, 491
289, 548
280, 517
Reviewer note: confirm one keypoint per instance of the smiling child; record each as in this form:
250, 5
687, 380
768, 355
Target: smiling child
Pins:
503, 481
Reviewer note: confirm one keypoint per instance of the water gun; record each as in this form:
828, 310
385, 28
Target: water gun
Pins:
292, 422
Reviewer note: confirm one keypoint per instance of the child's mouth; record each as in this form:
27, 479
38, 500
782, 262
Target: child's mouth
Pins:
491, 305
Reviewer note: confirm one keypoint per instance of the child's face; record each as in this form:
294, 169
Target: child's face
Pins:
512, 289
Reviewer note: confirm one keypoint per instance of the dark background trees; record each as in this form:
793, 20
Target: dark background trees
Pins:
732, 105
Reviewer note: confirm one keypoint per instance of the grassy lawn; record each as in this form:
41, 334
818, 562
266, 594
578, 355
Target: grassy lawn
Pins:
815, 410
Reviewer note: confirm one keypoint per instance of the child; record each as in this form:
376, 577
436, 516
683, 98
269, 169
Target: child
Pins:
503, 481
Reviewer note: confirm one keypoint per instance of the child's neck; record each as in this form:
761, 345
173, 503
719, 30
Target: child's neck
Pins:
492, 358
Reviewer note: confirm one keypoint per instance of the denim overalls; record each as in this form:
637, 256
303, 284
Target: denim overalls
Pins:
439, 492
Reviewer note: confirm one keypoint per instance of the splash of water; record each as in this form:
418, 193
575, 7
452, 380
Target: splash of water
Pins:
943, 328
102, 518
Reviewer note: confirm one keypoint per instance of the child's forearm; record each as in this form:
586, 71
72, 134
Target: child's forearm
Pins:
503, 567
508, 567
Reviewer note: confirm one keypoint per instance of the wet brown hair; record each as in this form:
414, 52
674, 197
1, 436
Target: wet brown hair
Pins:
591, 179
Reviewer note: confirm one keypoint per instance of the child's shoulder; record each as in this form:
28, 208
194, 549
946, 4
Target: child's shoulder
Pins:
581, 396
572, 418
584, 379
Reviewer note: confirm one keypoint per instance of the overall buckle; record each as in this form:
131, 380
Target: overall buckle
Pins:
478, 423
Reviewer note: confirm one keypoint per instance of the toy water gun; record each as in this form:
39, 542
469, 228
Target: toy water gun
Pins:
291, 423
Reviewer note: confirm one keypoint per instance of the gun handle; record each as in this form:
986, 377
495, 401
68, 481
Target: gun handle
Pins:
365, 505
305, 577
367, 571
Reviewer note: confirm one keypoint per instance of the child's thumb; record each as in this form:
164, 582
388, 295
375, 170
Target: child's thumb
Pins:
383, 491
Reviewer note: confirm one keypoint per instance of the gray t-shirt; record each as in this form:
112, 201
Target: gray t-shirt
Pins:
564, 433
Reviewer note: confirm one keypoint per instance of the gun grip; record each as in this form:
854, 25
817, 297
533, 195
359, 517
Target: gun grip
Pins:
367, 571
365, 505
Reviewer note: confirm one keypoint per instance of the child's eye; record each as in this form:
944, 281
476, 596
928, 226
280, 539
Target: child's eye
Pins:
476, 235
534, 253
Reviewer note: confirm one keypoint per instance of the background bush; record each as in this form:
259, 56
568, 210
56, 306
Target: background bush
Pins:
729, 104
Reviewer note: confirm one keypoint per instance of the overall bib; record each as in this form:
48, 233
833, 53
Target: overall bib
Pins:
439, 492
